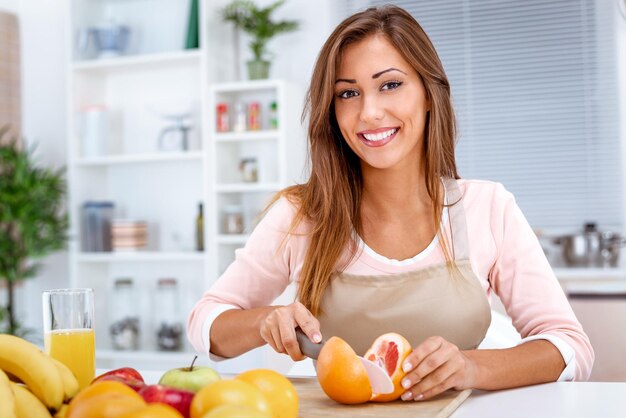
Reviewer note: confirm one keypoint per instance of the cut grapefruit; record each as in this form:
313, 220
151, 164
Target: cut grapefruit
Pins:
389, 351
341, 374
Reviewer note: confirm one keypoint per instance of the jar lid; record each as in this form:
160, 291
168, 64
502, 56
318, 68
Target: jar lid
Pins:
169, 281
123, 281
232, 209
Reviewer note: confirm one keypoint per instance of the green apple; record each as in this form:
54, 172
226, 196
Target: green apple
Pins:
191, 378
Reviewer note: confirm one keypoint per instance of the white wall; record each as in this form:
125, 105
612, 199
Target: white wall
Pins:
44, 95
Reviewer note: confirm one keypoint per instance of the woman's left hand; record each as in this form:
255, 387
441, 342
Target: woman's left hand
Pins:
435, 366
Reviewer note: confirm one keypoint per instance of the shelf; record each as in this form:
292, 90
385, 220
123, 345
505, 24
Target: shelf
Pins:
139, 158
247, 187
139, 61
143, 256
184, 357
232, 239
252, 136
246, 86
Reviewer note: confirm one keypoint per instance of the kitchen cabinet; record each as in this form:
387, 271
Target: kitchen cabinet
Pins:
142, 135
600, 306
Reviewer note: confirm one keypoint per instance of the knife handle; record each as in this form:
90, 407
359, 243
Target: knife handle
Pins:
308, 348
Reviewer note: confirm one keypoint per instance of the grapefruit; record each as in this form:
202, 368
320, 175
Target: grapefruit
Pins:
389, 351
279, 391
341, 374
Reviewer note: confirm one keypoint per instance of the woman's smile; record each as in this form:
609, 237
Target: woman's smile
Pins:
378, 137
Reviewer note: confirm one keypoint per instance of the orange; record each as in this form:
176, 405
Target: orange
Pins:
235, 411
389, 351
278, 390
341, 374
106, 405
155, 410
232, 392
99, 388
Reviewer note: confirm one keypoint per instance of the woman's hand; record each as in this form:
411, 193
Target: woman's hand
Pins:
278, 329
435, 366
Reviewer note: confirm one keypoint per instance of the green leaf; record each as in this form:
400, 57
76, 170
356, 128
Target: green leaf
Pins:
258, 23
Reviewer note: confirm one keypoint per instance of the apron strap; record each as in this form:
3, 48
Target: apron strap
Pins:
458, 224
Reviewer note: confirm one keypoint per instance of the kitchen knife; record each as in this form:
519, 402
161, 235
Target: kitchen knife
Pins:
379, 379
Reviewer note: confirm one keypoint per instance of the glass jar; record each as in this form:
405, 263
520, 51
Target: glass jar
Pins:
125, 327
240, 118
232, 222
169, 327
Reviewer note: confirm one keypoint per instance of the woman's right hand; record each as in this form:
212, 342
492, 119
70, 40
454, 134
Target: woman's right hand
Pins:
278, 329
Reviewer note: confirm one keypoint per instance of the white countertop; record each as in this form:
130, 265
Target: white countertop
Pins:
552, 400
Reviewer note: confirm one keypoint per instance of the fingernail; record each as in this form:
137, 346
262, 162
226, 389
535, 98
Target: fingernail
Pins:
406, 367
419, 397
317, 338
406, 396
406, 383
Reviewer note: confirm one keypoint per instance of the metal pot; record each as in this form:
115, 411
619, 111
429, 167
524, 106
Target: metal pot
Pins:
591, 248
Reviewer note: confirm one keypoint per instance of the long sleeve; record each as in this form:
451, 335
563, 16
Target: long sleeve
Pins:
269, 262
529, 290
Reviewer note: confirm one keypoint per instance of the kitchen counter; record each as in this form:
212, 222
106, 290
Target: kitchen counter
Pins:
554, 400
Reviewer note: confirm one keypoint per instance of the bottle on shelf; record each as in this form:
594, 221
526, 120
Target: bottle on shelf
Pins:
273, 115
200, 228
223, 119
240, 118
254, 116
125, 327
169, 327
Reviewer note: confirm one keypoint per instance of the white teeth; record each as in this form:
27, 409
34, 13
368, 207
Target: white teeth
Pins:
380, 136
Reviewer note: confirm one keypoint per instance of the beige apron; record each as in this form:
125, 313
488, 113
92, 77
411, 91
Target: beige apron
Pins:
416, 304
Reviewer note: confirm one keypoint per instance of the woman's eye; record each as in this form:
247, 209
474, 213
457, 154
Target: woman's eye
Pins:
391, 85
346, 94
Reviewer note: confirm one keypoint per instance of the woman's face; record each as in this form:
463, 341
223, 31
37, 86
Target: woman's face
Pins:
380, 104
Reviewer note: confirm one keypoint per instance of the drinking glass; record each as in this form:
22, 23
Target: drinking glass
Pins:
68, 323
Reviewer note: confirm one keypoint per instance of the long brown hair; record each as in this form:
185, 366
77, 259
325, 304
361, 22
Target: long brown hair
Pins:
331, 198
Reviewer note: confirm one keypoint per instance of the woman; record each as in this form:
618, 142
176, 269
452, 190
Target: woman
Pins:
385, 237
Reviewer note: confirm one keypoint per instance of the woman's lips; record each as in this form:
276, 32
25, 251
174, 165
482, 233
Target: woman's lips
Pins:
387, 134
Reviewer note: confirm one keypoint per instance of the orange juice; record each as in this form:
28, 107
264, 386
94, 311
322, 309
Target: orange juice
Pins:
76, 349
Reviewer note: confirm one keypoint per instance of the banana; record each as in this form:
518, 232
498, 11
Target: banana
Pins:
28, 405
70, 383
7, 398
62, 412
26, 362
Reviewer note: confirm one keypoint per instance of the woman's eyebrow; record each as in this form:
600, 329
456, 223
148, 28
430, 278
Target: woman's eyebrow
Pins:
375, 76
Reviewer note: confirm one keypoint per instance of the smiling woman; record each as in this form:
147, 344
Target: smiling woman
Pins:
385, 237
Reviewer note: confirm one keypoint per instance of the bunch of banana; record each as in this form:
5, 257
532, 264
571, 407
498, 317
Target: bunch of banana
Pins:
47, 382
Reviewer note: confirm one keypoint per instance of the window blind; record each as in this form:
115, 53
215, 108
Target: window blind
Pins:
534, 85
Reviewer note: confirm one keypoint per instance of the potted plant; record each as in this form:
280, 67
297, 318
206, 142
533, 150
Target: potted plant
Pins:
257, 22
33, 221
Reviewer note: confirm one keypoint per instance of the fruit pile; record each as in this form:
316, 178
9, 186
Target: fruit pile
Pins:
343, 378
31, 383
192, 392
47, 388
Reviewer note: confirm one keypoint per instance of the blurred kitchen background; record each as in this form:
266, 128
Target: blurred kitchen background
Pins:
171, 149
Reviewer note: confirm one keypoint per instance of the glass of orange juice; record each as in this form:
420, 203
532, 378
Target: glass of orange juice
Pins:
68, 322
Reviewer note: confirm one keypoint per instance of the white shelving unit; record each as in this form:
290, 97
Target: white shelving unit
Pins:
278, 152
164, 189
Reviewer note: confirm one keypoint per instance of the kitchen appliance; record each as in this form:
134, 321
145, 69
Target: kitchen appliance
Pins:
379, 379
591, 247
107, 40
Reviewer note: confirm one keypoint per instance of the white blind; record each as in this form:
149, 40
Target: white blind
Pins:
534, 85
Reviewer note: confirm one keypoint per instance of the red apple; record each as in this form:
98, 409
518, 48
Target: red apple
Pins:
126, 375
179, 399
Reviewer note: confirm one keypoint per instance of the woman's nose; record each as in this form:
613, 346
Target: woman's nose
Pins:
371, 109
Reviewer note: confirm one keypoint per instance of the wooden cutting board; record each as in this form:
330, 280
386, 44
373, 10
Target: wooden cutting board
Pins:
315, 404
